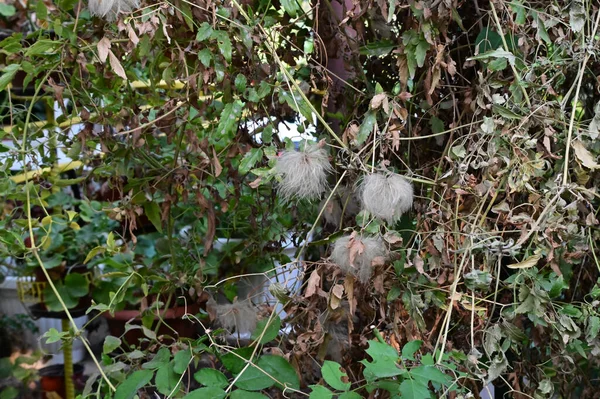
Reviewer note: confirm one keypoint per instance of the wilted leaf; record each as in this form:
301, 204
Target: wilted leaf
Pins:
586, 157
103, 49
116, 66
527, 263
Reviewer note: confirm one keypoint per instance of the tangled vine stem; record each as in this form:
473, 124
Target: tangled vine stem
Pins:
576, 99
32, 236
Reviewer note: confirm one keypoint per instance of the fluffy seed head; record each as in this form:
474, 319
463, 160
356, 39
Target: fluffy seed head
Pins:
110, 9
356, 255
386, 196
240, 316
303, 173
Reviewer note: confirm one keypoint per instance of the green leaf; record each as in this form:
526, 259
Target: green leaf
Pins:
291, 7
9, 393
12, 44
241, 394
7, 10
366, 128
8, 74
92, 253
334, 376
349, 395
110, 344
421, 52
161, 359
211, 378
430, 373
272, 330
250, 159
181, 360
53, 335
240, 83
166, 379
276, 367
77, 285
233, 361
517, 8
138, 379
408, 351
320, 392
376, 49
205, 56
384, 363
394, 293
437, 125
152, 211
206, 393
204, 32
412, 389
487, 40
52, 302
229, 119
41, 46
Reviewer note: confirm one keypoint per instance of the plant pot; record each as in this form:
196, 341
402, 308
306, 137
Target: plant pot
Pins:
172, 317
52, 380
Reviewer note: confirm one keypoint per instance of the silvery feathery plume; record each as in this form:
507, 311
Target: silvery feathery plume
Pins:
240, 316
110, 9
303, 173
355, 255
386, 196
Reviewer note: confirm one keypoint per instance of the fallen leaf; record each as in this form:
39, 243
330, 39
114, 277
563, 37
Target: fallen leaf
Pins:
349, 288
116, 65
377, 100
336, 298
103, 49
313, 284
216, 163
586, 157
527, 263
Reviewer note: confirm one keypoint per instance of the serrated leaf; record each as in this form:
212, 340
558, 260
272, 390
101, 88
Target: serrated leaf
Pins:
204, 32
250, 159
577, 16
366, 129
334, 376
527, 263
110, 344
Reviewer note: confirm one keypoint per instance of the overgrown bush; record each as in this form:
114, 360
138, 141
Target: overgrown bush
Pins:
455, 156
